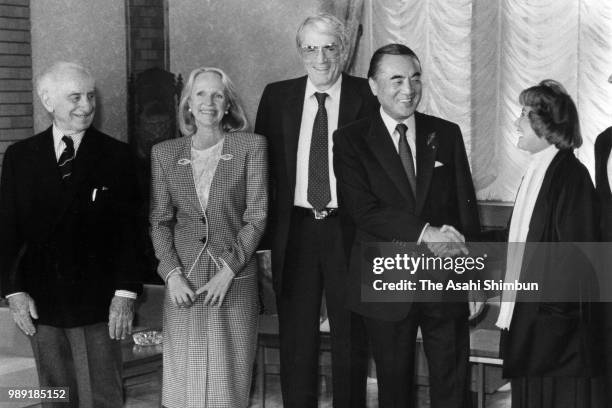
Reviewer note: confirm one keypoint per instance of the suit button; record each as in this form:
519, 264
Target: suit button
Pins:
203, 219
203, 240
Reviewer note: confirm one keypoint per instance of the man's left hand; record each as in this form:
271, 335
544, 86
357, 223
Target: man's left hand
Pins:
120, 316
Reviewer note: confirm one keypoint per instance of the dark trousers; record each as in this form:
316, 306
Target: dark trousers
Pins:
84, 359
315, 263
445, 331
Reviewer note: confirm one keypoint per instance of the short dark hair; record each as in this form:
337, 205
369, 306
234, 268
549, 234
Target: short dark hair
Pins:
553, 114
389, 49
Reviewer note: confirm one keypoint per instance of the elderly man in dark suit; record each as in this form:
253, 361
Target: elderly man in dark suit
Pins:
298, 117
69, 269
404, 177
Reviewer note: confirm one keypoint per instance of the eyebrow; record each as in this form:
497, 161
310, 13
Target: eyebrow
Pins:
397, 76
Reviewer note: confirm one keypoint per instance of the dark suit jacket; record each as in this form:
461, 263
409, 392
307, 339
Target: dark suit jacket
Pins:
558, 338
278, 119
74, 251
374, 190
603, 145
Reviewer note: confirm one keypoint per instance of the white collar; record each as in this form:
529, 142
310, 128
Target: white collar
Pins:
333, 92
391, 123
59, 133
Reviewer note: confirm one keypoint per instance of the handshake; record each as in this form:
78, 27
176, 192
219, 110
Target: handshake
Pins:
444, 241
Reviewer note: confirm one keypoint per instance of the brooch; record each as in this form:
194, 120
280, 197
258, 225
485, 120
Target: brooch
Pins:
432, 141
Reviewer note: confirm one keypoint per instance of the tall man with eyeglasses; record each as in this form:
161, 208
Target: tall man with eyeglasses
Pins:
306, 227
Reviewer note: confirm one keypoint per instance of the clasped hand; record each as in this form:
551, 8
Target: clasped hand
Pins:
444, 241
215, 290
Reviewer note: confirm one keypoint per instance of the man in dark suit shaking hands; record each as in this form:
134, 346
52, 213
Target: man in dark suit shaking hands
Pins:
403, 176
67, 247
298, 117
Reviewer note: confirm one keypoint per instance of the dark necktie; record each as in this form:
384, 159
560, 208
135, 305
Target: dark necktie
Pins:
319, 194
66, 159
405, 155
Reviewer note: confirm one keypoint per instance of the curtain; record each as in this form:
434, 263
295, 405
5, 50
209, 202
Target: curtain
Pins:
351, 13
477, 56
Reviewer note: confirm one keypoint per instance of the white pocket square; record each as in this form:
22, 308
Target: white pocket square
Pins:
438, 164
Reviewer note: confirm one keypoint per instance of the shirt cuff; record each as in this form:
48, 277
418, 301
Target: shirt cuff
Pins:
421, 235
13, 294
126, 294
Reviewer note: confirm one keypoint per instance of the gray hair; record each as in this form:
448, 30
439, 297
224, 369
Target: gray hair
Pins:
234, 121
327, 23
47, 81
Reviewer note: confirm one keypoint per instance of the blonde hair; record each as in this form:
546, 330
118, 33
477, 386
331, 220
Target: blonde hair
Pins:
234, 121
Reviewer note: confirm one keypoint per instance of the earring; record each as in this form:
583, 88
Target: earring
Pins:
189, 109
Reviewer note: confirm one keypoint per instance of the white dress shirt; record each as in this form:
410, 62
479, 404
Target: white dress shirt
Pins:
309, 112
519, 227
59, 146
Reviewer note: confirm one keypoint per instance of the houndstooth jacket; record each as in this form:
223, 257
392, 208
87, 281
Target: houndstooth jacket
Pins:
235, 218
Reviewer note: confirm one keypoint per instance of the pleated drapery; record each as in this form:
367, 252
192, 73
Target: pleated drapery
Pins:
477, 56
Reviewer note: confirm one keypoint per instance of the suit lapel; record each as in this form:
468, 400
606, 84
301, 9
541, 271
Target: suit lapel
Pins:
350, 102
426, 155
185, 172
292, 117
539, 216
381, 144
47, 161
45, 168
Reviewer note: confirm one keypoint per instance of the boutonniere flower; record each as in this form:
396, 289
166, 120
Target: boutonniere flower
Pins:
227, 156
184, 162
432, 141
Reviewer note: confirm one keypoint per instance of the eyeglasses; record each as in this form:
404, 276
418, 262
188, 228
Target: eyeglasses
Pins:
330, 51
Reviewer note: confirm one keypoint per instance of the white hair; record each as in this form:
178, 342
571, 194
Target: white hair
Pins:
47, 81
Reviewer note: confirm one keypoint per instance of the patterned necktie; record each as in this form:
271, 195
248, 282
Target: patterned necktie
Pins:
66, 159
405, 155
319, 194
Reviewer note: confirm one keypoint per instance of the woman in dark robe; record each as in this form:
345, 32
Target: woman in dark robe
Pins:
550, 342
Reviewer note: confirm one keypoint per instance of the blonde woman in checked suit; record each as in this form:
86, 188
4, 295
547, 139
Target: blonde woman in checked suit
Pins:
209, 206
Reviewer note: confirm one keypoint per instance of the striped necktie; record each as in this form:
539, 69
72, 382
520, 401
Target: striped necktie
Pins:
66, 159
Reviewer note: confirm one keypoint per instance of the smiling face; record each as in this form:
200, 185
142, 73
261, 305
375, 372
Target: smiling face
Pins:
208, 102
528, 139
71, 100
321, 55
397, 85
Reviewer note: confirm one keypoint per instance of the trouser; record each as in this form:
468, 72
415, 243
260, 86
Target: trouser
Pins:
84, 359
316, 263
